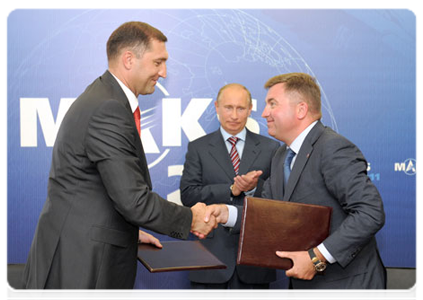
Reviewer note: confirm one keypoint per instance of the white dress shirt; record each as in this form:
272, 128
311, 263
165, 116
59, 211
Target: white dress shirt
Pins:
133, 100
241, 140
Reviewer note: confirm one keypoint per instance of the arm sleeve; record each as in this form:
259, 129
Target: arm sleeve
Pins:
110, 144
345, 174
192, 187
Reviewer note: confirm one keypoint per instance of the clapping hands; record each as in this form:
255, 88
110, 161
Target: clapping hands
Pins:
246, 182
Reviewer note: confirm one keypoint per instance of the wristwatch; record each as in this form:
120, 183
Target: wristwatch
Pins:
231, 187
319, 265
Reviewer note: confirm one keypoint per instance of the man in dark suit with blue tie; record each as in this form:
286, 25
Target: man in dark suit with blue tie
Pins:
222, 167
326, 169
318, 166
99, 188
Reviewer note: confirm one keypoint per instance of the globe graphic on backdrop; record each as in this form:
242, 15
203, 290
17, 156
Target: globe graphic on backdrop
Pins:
207, 49
211, 48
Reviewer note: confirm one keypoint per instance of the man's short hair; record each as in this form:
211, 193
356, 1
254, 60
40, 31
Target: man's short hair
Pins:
238, 85
303, 84
132, 35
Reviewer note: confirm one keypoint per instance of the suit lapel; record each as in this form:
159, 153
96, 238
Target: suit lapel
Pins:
250, 153
143, 162
277, 178
120, 96
302, 158
118, 93
220, 154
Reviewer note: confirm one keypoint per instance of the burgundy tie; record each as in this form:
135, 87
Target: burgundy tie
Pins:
234, 154
137, 118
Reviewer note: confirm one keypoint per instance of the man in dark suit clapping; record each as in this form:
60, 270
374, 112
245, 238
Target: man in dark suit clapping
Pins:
223, 167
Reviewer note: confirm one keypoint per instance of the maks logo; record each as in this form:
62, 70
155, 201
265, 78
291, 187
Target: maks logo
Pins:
174, 121
408, 166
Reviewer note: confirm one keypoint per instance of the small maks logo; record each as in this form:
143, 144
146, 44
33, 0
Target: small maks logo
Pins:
408, 166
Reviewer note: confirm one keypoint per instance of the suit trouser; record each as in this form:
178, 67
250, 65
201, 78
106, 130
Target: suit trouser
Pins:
291, 295
238, 290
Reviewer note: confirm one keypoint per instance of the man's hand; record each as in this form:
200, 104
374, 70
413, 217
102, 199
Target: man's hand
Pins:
213, 215
303, 268
218, 211
246, 182
200, 227
146, 238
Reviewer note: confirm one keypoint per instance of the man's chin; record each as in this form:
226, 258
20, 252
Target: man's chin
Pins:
149, 92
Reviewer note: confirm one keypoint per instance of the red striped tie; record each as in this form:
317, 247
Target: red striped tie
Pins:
234, 154
137, 118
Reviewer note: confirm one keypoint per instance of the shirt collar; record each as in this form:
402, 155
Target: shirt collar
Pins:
241, 135
133, 100
298, 142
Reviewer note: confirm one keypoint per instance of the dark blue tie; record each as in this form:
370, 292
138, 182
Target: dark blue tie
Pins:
287, 165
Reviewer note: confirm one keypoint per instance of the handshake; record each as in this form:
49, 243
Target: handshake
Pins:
206, 218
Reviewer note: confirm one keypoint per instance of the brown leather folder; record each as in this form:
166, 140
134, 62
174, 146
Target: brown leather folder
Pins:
268, 226
177, 256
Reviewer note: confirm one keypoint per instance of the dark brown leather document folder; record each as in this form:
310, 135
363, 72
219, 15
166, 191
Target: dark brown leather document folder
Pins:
268, 226
177, 256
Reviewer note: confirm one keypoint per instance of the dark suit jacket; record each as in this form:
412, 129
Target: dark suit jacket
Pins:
99, 193
329, 170
207, 177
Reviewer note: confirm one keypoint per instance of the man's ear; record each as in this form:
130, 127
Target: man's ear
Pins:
216, 105
302, 110
128, 59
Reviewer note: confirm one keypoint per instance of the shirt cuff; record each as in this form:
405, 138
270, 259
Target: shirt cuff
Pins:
250, 192
326, 253
233, 215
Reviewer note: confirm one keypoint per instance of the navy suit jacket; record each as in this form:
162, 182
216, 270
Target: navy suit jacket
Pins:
207, 177
330, 170
99, 194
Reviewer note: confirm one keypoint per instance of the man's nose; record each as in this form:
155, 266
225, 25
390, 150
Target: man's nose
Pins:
265, 113
163, 71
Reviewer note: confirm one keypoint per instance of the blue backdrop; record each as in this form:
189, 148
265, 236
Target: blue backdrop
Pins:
364, 61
